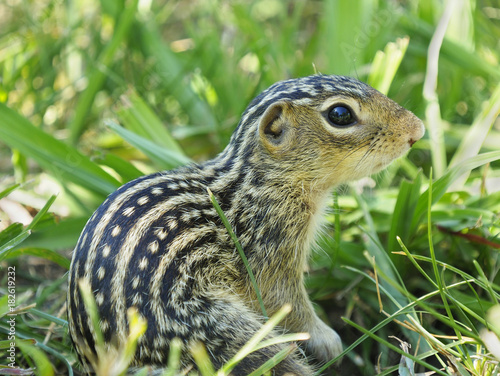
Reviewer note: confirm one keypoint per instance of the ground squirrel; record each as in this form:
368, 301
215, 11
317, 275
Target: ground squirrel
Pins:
158, 244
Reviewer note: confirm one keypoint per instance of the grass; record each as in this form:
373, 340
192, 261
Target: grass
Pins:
96, 93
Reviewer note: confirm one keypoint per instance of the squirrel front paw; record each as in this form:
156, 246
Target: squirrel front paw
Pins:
325, 344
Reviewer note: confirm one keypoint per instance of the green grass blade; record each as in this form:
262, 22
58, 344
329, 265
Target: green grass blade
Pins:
46, 254
171, 70
202, 360
240, 250
137, 326
254, 342
407, 310
433, 312
427, 307
92, 313
63, 162
476, 135
386, 63
5, 344
469, 61
284, 338
421, 301
98, 75
41, 213
10, 232
441, 185
383, 263
458, 303
164, 158
61, 235
9, 190
485, 280
125, 169
43, 366
433, 112
49, 317
409, 193
376, 250
58, 355
394, 348
337, 234
340, 44
138, 117
112, 7
174, 358
415, 263
376, 328
272, 362
6, 249
465, 276
437, 276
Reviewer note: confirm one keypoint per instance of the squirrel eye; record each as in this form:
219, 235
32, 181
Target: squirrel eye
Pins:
341, 115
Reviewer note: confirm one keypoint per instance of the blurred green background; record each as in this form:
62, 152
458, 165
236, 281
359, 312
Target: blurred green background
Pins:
96, 93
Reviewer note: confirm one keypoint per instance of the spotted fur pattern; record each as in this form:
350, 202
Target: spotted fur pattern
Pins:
157, 243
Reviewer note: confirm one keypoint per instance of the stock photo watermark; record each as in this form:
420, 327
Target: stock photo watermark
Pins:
11, 321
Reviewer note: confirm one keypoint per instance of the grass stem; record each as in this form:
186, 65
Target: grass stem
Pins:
240, 251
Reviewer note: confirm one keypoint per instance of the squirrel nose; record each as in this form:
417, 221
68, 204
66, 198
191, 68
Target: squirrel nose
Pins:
418, 133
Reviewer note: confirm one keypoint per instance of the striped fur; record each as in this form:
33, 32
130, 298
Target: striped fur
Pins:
157, 243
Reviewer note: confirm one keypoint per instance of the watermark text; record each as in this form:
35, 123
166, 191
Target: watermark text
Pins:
11, 301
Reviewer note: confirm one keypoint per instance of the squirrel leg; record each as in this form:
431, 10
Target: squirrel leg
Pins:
229, 326
324, 344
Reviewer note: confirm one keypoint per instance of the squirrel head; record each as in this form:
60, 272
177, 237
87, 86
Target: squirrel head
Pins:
325, 130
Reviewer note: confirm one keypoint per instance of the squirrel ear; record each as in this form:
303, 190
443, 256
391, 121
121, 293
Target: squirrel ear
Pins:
273, 125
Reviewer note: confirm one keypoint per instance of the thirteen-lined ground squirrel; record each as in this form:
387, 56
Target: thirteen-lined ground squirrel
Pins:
158, 244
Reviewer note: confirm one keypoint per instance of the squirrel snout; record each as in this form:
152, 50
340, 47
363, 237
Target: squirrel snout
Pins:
418, 134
